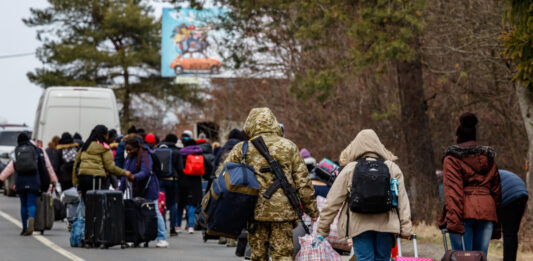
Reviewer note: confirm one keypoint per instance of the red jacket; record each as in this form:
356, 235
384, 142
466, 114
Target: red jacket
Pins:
472, 188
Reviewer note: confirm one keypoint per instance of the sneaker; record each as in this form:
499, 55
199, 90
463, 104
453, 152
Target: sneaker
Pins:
231, 243
29, 230
161, 244
178, 229
173, 232
191, 230
222, 241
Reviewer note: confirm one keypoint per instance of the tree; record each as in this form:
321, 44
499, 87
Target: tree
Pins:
518, 42
105, 43
318, 45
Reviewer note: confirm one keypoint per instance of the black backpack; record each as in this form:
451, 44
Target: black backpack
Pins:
26, 160
164, 158
370, 191
156, 165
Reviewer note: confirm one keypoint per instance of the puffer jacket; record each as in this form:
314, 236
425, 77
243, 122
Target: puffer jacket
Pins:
472, 187
365, 144
262, 122
95, 161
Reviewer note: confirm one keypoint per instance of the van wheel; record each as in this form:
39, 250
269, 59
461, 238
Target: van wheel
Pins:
178, 70
214, 69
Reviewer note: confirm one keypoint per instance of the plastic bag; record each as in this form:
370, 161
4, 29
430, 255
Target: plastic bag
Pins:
322, 253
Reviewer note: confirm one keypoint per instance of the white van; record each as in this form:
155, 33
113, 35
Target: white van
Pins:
74, 109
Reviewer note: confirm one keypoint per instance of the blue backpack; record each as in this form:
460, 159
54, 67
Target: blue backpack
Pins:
230, 203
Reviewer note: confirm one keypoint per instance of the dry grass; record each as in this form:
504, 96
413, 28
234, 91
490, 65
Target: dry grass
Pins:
430, 234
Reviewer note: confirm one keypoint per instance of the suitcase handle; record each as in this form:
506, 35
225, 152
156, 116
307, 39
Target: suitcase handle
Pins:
415, 245
444, 231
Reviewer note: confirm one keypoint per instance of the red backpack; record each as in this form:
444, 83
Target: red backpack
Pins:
194, 165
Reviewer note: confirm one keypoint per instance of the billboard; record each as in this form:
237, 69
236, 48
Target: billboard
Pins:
188, 45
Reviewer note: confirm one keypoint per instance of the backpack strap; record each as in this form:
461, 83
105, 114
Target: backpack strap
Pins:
244, 150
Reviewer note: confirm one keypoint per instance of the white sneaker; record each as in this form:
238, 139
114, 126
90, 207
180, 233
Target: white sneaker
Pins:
191, 230
178, 229
161, 244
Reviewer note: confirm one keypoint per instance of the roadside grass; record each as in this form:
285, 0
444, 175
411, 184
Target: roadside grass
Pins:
430, 234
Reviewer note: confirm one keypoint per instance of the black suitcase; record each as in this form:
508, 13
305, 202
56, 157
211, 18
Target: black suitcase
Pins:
140, 221
104, 219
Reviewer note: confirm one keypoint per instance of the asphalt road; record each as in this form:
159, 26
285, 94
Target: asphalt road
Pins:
185, 247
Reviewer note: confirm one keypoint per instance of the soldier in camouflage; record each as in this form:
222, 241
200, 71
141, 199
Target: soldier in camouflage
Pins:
275, 217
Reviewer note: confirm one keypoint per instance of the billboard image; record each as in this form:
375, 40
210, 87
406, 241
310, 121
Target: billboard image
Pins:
188, 46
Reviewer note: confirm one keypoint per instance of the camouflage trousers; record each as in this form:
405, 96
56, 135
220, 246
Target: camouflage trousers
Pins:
274, 238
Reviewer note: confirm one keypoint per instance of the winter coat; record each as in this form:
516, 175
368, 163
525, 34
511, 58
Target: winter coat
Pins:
177, 160
190, 187
472, 188
62, 167
143, 175
209, 158
262, 122
513, 187
365, 144
119, 154
30, 183
95, 161
222, 153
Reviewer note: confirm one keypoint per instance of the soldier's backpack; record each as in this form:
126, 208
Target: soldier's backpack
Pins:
370, 192
194, 165
26, 160
230, 202
164, 155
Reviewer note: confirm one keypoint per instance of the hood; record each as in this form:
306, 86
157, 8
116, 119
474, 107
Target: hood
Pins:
261, 121
168, 144
479, 158
206, 148
366, 142
66, 146
194, 149
97, 148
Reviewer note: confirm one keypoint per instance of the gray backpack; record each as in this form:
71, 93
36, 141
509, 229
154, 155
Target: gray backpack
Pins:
26, 160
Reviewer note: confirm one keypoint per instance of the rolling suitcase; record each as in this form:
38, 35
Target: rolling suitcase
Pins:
44, 213
456, 255
104, 219
415, 247
140, 221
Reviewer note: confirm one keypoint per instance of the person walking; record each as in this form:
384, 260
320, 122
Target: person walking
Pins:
514, 202
29, 164
144, 183
168, 183
51, 150
373, 234
93, 161
66, 151
472, 190
275, 217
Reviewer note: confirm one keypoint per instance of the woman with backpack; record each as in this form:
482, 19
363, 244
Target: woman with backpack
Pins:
144, 182
67, 150
30, 163
372, 227
472, 190
93, 161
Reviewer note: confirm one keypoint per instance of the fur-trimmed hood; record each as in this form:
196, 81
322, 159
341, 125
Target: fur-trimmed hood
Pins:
479, 158
67, 146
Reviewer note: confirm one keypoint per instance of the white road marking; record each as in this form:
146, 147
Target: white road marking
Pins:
45, 241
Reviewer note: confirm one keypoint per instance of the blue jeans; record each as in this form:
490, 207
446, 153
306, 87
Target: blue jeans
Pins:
373, 246
190, 215
161, 229
477, 236
28, 206
170, 188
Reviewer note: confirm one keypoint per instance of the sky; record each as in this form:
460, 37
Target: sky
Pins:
18, 97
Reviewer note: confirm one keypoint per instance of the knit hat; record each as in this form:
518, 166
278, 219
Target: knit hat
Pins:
466, 131
150, 139
187, 133
305, 153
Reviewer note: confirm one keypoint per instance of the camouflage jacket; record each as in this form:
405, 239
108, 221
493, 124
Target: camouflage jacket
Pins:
262, 122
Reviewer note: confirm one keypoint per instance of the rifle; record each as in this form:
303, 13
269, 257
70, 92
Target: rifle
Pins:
280, 182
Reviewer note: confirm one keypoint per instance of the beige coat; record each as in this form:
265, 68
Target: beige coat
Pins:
366, 143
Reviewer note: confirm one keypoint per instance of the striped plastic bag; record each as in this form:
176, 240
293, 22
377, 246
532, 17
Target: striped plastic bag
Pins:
323, 252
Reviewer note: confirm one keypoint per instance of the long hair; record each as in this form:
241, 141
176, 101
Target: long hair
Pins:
97, 134
134, 142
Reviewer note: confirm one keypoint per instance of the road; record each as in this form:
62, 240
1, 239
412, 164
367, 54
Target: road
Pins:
185, 247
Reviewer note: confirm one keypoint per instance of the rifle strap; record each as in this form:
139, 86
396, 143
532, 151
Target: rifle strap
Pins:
272, 189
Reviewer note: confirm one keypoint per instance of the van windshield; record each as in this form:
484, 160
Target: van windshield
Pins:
9, 138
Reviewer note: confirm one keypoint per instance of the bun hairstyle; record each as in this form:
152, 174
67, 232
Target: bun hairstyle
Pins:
466, 131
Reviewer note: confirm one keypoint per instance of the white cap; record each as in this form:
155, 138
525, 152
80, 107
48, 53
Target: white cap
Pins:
189, 133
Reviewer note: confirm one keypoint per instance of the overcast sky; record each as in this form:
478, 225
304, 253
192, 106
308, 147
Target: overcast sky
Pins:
19, 97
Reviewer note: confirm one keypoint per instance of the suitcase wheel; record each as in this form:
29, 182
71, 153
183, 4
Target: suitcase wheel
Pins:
123, 246
146, 244
42, 232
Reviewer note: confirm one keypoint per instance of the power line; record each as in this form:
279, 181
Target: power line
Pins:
16, 55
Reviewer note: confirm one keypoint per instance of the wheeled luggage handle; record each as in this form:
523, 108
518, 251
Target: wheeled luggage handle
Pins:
444, 231
415, 246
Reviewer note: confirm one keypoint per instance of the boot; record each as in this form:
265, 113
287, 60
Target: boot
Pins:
173, 232
29, 230
231, 243
222, 241
23, 232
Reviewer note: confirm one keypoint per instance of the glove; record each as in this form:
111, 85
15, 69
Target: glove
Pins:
317, 241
